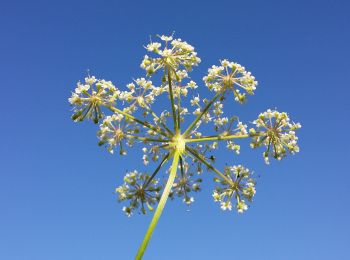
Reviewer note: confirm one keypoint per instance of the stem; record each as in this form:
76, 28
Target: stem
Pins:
146, 139
172, 99
160, 207
160, 121
199, 157
181, 167
157, 170
144, 123
217, 138
193, 124
178, 112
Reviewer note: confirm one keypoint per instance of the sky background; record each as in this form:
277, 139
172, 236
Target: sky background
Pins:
57, 198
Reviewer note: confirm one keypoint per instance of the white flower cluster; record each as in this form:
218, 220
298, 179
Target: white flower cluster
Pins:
115, 131
275, 131
140, 190
89, 96
162, 135
175, 53
141, 93
241, 186
233, 76
185, 183
154, 152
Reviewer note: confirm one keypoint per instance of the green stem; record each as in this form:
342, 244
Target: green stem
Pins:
172, 98
216, 138
144, 123
156, 171
193, 124
146, 139
160, 207
200, 158
160, 121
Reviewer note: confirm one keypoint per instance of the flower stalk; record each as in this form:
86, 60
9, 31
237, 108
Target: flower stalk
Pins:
160, 207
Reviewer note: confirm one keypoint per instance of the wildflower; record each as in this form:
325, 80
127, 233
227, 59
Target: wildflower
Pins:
158, 127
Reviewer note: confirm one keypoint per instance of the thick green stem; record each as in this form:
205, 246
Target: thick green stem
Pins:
160, 207
144, 123
193, 124
201, 159
172, 98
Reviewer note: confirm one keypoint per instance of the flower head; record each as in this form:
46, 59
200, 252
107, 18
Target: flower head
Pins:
115, 131
233, 76
89, 96
185, 182
172, 54
237, 185
141, 93
140, 190
275, 131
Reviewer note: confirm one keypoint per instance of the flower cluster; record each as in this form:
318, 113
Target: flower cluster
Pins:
115, 131
185, 183
157, 128
275, 131
89, 96
175, 53
141, 93
141, 190
233, 76
237, 185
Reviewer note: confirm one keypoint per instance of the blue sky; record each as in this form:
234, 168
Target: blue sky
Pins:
56, 184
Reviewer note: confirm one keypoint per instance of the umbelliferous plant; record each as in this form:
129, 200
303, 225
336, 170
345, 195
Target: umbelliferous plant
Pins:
165, 136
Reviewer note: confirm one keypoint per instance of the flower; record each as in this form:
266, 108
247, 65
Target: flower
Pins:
237, 185
89, 96
140, 190
275, 131
233, 76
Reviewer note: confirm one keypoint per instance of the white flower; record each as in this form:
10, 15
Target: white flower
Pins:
241, 206
195, 101
166, 38
90, 80
153, 47
127, 211
226, 205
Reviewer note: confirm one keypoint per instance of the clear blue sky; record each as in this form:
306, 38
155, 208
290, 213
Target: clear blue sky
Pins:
56, 184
